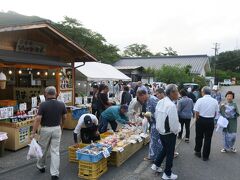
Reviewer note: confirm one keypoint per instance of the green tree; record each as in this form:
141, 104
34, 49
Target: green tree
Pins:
171, 74
169, 52
137, 50
229, 60
90, 40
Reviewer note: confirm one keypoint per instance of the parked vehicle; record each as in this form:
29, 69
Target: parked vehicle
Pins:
226, 82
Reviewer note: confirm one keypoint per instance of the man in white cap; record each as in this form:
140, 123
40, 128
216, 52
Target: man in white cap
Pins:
191, 95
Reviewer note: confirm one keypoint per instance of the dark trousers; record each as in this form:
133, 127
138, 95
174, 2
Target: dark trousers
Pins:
104, 125
185, 122
204, 130
168, 143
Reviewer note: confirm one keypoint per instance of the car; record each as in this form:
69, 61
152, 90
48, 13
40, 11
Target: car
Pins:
226, 82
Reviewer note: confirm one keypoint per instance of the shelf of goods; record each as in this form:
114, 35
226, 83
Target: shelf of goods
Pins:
18, 133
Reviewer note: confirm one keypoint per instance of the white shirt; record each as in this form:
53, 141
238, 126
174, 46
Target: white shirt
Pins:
135, 107
164, 108
81, 123
206, 106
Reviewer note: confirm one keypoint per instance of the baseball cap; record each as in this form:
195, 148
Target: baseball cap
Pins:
88, 121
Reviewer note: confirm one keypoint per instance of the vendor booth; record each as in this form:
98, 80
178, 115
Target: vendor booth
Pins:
97, 72
32, 57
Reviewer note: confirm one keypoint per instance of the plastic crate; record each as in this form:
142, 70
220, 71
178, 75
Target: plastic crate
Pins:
72, 151
93, 171
81, 156
77, 113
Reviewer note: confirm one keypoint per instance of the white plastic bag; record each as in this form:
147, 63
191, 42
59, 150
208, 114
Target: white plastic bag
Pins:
35, 150
221, 123
144, 125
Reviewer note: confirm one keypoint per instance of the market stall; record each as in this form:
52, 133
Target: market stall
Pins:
113, 149
98, 73
32, 57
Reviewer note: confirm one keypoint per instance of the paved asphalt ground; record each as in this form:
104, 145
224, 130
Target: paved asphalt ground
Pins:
221, 166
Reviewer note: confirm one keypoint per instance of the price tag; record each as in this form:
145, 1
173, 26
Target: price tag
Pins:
133, 141
120, 149
34, 102
106, 153
42, 98
23, 106
143, 135
139, 139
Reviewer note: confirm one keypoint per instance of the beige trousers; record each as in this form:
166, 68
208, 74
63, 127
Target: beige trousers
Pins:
50, 138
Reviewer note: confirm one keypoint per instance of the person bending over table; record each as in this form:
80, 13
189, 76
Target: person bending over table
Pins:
87, 127
111, 115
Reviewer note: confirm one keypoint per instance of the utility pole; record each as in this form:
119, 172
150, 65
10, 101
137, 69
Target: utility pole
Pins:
216, 48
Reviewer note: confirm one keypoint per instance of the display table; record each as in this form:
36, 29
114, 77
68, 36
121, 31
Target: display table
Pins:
118, 158
18, 133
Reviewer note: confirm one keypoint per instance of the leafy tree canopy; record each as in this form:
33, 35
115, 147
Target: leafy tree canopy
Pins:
90, 40
229, 60
142, 50
176, 74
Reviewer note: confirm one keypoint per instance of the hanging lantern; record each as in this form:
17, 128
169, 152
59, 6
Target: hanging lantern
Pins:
3, 80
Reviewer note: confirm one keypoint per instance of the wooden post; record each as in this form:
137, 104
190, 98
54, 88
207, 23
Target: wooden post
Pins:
73, 83
57, 80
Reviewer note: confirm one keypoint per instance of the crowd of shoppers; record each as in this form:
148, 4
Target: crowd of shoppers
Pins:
168, 110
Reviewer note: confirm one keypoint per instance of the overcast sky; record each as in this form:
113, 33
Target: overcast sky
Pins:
189, 26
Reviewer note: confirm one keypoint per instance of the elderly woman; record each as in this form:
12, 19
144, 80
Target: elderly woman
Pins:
155, 145
185, 113
229, 110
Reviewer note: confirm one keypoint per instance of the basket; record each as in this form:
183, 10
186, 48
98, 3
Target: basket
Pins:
72, 151
93, 171
81, 156
77, 113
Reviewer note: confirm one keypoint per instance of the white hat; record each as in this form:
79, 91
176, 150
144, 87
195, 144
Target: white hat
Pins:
215, 87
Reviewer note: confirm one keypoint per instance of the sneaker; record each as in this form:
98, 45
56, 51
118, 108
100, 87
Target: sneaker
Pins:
55, 177
234, 150
223, 150
176, 154
186, 140
42, 170
173, 176
157, 169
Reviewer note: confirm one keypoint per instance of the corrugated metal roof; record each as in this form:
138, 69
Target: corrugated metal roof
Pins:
197, 62
127, 67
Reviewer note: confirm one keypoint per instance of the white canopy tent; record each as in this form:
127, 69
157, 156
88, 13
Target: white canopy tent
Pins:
94, 71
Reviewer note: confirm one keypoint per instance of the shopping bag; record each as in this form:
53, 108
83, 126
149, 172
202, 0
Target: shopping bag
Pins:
35, 150
221, 123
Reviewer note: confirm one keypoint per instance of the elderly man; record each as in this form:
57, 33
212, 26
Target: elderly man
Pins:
136, 105
205, 109
51, 115
168, 126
